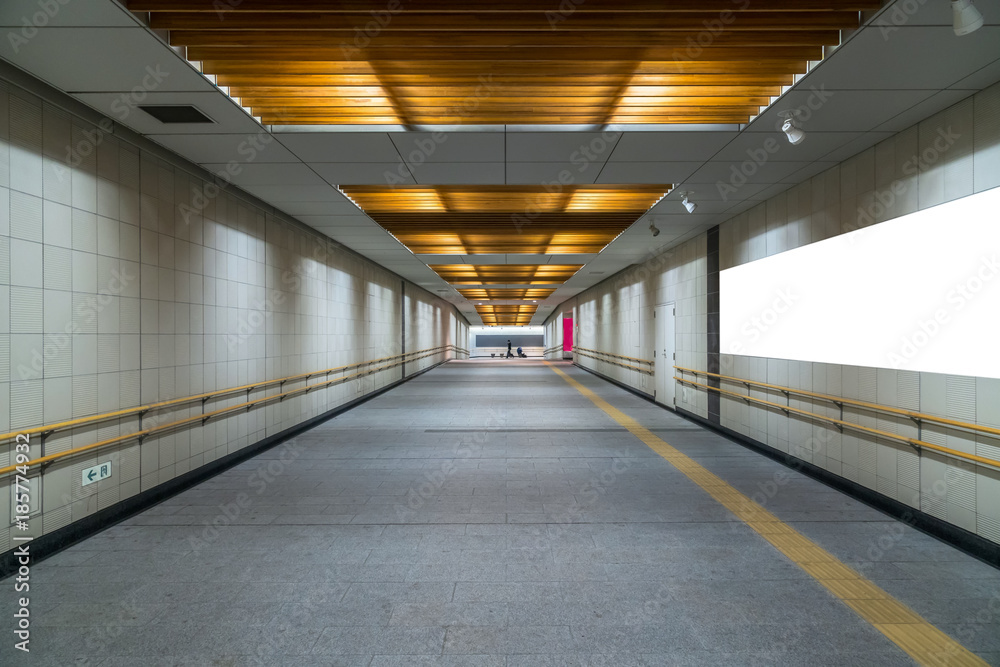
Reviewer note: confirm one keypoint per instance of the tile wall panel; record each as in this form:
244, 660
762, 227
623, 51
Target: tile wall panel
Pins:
112, 294
947, 156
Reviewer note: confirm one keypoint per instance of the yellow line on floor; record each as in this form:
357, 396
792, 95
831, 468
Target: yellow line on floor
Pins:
907, 629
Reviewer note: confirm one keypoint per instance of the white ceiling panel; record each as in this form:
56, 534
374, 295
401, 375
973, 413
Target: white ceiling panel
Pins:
852, 148
929, 107
904, 59
736, 174
805, 172
840, 110
349, 147
202, 148
459, 173
883, 79
759, 146
576, 147
903, 13
675, 209
537, 173
229, 118
647, 172
419, 147
334, 208
278, 194
442, 259
484, 259
103, 60
981, 78
91, 13
336, 220
709, 190
371, 173
669, 146
268, 174
774, 190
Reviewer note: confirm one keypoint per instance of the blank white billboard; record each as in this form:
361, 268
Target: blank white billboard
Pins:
920, 292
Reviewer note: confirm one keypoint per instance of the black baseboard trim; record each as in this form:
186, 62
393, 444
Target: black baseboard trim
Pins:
964, 540
631, 390
52, 543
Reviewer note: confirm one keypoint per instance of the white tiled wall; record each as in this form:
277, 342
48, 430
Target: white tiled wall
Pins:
112, 294
553, 331
958, 154
616, 316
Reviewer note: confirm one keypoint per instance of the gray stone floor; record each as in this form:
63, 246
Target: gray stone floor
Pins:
488, 514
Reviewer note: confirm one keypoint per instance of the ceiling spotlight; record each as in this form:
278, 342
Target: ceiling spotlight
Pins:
653, 229
690, 206
795, 134
966, 17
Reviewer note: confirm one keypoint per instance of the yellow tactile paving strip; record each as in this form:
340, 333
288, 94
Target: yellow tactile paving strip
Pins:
907, 629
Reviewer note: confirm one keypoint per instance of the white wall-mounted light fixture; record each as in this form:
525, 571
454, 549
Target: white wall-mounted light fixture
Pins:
653, 230
966, 17
688, 204
796, 135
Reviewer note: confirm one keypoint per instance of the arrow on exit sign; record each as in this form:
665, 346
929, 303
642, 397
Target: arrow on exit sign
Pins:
97, 473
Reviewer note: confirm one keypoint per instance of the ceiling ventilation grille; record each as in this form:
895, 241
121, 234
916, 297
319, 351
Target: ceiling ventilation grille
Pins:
175, 113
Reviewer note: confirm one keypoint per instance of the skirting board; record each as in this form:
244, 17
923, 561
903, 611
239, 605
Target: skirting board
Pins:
54, 542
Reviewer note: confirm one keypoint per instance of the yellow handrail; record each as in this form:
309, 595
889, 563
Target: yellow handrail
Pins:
93, 419
920, 444
919, 416
617, 356
204, 417
581, 350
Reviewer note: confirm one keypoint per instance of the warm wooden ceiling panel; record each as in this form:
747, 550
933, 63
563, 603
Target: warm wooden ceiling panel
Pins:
506, 274
430, 62
503, 315
501, 219
505, 294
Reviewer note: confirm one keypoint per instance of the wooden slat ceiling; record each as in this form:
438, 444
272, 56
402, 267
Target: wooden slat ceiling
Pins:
505, 294
433, 62
500, 219
506, 316
506, 274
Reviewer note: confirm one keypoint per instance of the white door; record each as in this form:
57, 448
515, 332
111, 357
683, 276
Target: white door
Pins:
664, 355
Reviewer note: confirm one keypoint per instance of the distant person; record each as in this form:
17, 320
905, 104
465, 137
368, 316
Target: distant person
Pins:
509, 355
521, 353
